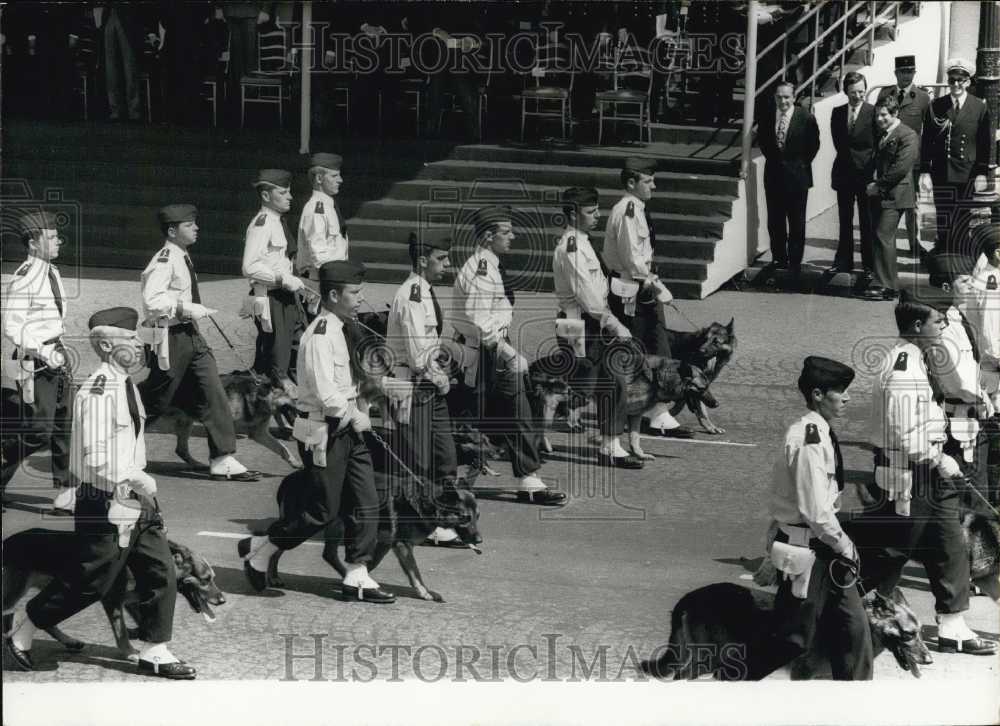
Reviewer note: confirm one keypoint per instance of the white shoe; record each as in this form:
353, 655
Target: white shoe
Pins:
261, 549
530, 483
227, 467
442, 534
65, 501
660, 418
357, 576
954, 627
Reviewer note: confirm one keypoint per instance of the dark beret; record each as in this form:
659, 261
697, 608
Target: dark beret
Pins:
824, 373
36, 221
327, 161
344, 272
925, 297
643, 166
177, 213
126, 318
946, 266
435, 239
580, 196
986, 238
274, 178
485, 218
906, 62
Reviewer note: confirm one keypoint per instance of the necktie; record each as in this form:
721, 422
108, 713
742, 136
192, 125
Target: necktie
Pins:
854, 117
291, 241
938, 393
340, 218
508, 291
782, 131
971, 335
195, 295
54, 284
437, 311
649, 225
900, 95
133, 407
839, 458
954, 110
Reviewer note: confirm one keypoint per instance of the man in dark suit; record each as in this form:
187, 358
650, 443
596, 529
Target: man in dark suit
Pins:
853, 129
891, 193
789, 138
913, 102
955, 156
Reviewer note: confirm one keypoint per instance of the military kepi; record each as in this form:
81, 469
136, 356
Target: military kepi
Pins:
906, 63
344, 272
580, 196
177, 213
274, 178
125, 318
825, 374
327, 161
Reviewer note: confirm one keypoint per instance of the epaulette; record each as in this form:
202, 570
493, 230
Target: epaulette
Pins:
991, 283
415, 292
261, 221
320, 328
23, 269
98, 388
164, 255
571, 244
630, 210
319, 207
900, 364
812, 434
483, 268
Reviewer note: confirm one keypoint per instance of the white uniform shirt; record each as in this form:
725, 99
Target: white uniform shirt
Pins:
412, 328
482, 312
265, 253
804, 482
580, 284
166, 281
984, 311
954, 367
104, 447
627, 247
325, 383
320, 238
30, 313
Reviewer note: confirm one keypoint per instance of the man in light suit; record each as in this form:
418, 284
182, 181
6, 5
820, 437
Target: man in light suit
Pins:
891, 193
853, 129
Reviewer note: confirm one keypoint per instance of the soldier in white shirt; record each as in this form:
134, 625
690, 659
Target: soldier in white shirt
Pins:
117, 522
483, 311
589, 329
274, 288
35, 363
322, 232
918, 485
332, 421
179, 358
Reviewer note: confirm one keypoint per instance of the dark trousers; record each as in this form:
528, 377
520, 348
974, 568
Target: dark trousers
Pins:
644, 324
594, 376
344, 488
830, 614
847, 200
192, 384
426, 444
273, 353
44, 424
100, 569
977, 470
117, 47
912, 220
952, 210
884, 254
932, 535
992, 429
786, 222
505, 413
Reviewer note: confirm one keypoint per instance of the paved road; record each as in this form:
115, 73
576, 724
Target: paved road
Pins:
599, 576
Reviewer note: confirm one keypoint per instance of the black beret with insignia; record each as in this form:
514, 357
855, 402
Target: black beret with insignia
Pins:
579, 196
344, 272
946, 266
438, 239
825, 374
327, 161
177, 213
279, 178
120, 317
486, 218
642, 166
34, 222
986, 238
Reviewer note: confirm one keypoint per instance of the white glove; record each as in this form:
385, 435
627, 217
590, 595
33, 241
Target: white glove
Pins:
948, 468
663, 295
360, 422
262, 17
52, 355
196, 311
440, 380
925, 183
142, 483
616, 328
291, 283
849, 552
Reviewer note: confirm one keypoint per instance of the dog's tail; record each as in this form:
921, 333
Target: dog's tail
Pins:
667, 664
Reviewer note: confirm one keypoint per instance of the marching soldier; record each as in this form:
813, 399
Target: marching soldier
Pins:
116, 522
918, 484
955, 154
816, 597
322, 232
635, 287
277, 312
179, 358
330, 427
583, 322
983, 309
34, 311
484, 304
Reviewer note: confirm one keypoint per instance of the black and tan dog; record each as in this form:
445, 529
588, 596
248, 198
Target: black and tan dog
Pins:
711, 627
33, 557
253, 402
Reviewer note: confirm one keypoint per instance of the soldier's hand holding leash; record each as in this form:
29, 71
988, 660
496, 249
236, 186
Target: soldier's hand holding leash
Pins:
194, 311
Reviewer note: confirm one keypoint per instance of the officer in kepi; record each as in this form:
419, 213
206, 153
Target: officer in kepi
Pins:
330, 431
322, 232
179, 358
818, 561
117, 521
37, 367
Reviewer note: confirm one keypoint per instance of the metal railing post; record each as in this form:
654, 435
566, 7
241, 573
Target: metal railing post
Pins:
305, 120
871, 32
749, 88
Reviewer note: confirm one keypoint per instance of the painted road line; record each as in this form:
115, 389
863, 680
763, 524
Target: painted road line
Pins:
244, 535
695, 441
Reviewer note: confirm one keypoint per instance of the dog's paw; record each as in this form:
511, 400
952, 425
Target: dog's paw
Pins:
713, 429
274, 580
490, 471
429, 595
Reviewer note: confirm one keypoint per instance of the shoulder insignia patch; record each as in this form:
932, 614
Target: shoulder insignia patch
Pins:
991, 283
164, 255
319, 208
900, 364
98, 388
571, 244
812, 434
630, 210
23, 269
261, 220
483, 268
415, 292
320, 328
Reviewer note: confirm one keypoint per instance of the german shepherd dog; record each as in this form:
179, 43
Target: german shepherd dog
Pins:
711, 628
253, 402
33, 557
982, 537
708, 349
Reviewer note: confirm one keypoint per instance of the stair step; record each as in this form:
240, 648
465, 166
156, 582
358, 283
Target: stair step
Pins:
714, 159
690, 135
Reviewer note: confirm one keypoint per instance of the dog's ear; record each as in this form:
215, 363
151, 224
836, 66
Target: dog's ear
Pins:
729, 326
